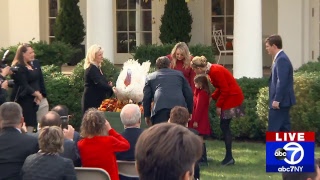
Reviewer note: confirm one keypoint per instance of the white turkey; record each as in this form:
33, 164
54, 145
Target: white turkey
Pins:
131, 81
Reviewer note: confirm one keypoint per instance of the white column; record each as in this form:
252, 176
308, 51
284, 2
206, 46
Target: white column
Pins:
247, 42
291, 28
100, 26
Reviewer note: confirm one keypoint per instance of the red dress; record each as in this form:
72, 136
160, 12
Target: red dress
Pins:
228, 93
99, 152
201, 112
188, 73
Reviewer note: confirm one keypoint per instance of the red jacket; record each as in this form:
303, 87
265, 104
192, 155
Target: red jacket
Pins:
188, 73
99, 152
228, 93
200, 113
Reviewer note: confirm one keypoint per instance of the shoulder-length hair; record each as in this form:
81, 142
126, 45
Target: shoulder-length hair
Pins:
91, 55
202, 79
51, 139
93, 123
183, 47
18, 58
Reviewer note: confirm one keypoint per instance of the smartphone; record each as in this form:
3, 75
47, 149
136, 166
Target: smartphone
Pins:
64, 122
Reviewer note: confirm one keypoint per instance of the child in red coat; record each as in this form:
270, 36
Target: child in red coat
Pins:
200, 116
201, 98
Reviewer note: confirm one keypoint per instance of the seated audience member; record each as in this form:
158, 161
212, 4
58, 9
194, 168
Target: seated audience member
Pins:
15, 146
100, 143
63, 111
304, 176
180, 115
70, 150
47, 164
131, 118
167, 151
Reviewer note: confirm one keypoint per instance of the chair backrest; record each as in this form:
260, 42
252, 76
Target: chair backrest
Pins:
127, 168
84, 173
218, 38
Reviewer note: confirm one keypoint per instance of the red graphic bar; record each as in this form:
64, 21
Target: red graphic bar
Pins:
290, 137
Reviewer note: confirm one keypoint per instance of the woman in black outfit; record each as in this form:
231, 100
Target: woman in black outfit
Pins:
96, 86
26, 89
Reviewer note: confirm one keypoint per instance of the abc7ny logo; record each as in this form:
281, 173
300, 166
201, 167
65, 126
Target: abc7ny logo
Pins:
292, 153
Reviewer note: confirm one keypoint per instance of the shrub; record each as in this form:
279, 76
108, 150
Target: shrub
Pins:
175, 22
248, 126
69, 26
310, 67
203, 50
152, 52
56, 53
305, 114
60, 91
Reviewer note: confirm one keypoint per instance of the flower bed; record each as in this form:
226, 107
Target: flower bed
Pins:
114, 105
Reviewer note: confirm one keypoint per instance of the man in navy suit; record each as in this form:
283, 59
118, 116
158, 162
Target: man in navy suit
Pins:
281, 93
131, 119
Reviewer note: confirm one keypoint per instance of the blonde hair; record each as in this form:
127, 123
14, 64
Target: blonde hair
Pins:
51, 139
91, 55
182, 46
18, 58
199, 61
93, 123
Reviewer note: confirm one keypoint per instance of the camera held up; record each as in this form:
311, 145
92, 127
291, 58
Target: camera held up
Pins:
4, 64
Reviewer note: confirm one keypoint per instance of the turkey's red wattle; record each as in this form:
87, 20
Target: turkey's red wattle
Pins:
127, 81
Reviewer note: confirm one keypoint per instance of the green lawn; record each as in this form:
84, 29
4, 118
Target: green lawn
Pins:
250, 162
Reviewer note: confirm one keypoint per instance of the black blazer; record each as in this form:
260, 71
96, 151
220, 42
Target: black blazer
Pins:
167, 88
26, 83
70, 150
43, 166
96, 88
36, 65
131, 135
15, 147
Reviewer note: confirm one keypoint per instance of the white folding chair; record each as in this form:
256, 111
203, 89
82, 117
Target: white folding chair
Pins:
127, 168
85, 173
221, 44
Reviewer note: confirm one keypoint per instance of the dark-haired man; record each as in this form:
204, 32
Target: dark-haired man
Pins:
166, 88
281, 93
179, 152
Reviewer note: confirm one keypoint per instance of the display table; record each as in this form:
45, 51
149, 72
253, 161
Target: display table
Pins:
116, 124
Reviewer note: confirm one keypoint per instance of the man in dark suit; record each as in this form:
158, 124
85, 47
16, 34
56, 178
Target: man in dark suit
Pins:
15, 146
70, 150
63, 111
130, 116
281, 93
166, 88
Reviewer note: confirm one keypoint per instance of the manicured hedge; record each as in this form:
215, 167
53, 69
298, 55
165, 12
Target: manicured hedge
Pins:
152, 52
56, 53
